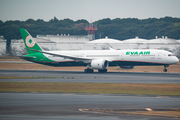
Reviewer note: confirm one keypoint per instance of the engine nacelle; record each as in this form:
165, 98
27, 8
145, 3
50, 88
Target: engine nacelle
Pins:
99, 64
127, 67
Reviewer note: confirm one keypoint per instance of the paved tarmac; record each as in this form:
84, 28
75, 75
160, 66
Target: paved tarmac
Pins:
81, 77
65, 106
53, 106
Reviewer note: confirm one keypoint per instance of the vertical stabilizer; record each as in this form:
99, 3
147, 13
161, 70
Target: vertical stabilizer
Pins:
29, 42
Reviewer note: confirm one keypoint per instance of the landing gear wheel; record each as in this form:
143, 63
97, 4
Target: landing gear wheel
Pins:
88, 70
85, 70
165, 70
102, 71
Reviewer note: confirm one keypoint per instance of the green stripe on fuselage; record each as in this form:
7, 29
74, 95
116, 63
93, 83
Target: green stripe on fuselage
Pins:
37, 57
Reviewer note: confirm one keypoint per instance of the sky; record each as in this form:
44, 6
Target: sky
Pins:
90, 10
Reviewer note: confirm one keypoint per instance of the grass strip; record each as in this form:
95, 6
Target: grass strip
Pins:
104, 88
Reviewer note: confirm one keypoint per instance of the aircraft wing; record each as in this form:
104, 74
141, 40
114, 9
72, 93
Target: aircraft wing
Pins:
83, 59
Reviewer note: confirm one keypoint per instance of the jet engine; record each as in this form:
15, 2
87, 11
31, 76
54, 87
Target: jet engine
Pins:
127, 67
99, 64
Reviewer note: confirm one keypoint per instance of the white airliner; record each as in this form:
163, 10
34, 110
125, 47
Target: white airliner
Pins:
96, 59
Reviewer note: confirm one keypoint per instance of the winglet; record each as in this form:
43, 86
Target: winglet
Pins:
111, 48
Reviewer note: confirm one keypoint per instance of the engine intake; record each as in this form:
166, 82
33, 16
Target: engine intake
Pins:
99, 64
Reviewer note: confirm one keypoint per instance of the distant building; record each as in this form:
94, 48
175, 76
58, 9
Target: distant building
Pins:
2, 45
65, 42
54, 42
68, 42
135, 43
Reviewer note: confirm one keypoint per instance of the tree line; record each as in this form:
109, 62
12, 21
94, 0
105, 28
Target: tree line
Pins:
147, 28
118, 28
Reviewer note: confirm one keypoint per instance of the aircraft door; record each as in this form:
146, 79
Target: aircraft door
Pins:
159, 56
122, 56
82, 55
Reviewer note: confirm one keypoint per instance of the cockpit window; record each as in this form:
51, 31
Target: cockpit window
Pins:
170, 54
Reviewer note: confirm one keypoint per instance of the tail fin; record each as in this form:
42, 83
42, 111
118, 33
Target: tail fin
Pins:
29, 42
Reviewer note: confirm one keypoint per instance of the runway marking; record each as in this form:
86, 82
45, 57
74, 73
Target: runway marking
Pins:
83, 110
162, 97
148, 109
80, 109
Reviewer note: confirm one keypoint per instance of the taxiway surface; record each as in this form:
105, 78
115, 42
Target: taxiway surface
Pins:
81, 77
65, 106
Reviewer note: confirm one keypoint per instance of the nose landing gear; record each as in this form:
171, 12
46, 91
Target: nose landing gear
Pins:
165, 70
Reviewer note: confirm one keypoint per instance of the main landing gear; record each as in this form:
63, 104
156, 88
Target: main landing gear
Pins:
91, 70
165, 70
102, 71
88, 70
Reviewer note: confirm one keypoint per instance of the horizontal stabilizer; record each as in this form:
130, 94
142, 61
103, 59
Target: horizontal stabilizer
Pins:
29, 57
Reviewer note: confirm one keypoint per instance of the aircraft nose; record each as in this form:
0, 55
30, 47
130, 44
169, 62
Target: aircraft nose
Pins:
176, 60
